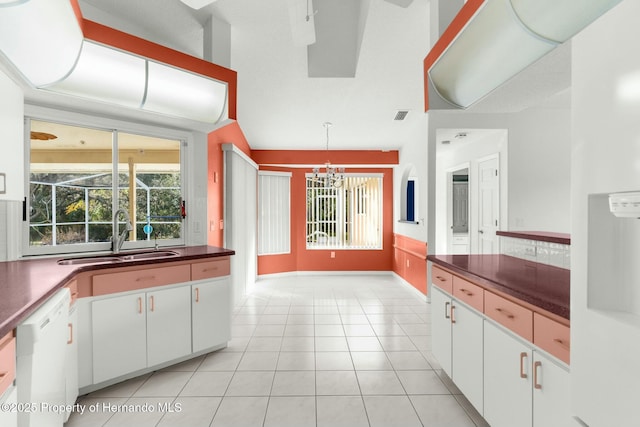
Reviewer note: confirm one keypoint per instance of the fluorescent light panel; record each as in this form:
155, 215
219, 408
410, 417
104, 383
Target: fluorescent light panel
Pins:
42, 38
180, 93
107, 75
489, 51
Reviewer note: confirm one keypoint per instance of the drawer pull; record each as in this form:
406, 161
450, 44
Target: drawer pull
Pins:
209, 269
143, 278
536, 384
466, 292
151, 301
453, 318
562, 343
442, 279
197, 295
523, 356
70, 340
140, 305
3, 374
505, 313
446, 310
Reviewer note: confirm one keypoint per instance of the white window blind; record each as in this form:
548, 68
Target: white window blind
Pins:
274, 213
344, 216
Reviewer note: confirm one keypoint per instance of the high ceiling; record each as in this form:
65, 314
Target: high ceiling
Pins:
279, 106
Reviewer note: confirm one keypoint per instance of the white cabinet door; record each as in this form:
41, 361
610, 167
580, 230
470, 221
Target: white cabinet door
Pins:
551, 398
119, 336
10, 398
507, 379
466, 353
168, 324
441, 328
11, 140
211, 313
72, 361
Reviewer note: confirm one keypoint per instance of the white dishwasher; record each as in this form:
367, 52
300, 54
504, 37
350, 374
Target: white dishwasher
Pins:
41, 346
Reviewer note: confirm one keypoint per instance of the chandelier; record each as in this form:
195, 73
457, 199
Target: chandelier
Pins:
332, 176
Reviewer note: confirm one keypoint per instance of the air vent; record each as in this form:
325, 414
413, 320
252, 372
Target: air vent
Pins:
401, 114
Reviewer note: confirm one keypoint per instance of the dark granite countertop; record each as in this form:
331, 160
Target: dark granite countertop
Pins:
543, 286
27, 283
541, 236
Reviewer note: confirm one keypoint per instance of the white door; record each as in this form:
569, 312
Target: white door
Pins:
488, 205
211, 307
441, 328
168, 324
466, 351
507, 379
119, 336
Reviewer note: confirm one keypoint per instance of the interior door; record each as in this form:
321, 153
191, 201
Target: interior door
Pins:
488, 205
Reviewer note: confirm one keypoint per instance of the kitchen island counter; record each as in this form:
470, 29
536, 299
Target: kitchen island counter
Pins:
543, 287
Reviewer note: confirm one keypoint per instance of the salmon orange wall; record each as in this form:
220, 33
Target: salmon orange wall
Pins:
301, 259
230, 133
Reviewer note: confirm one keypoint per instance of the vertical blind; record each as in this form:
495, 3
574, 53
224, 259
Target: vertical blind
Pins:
274, 213
344, 216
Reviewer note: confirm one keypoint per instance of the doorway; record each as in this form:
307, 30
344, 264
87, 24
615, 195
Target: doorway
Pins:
459, 214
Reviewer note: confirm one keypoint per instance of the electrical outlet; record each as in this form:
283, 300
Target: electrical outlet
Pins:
212, 225
333, 254
222, 224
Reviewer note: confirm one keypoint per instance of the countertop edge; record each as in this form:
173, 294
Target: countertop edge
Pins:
11, 322
544, 306
560, 238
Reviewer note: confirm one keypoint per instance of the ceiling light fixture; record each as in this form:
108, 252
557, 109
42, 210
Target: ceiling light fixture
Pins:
332, 176
197, 4
502, 39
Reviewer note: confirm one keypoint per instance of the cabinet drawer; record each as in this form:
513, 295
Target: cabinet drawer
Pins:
205, 270
442, 279
469, 293
511, 315
110, 283
73, 290
7, 361
551, 336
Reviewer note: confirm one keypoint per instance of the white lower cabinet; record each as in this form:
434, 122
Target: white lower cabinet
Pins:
466, 352
522, 386
119, 334
168, 324
441, 328
457, 344
9, 417
507, 379
551, 401
211, 313
71, 380
133, 331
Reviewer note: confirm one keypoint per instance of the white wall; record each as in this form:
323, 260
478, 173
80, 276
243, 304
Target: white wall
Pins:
537, 186
540, 172
605, 342
412, 155
492, 143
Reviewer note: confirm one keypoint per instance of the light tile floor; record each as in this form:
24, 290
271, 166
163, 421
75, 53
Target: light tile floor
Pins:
306, 351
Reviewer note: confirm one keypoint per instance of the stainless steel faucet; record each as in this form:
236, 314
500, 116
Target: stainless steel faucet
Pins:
118, 241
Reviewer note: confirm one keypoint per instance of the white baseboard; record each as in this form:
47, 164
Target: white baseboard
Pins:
410, 287
323, 273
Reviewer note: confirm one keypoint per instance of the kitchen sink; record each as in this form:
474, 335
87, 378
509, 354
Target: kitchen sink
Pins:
108, 259
89, 260
149, 255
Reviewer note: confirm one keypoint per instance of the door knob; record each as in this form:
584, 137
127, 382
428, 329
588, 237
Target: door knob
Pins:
480, 231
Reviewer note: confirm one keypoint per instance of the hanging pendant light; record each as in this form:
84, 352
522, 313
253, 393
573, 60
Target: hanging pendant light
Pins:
332, 176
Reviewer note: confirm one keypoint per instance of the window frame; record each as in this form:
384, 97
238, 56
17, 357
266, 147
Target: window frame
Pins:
111, 125
366, 205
